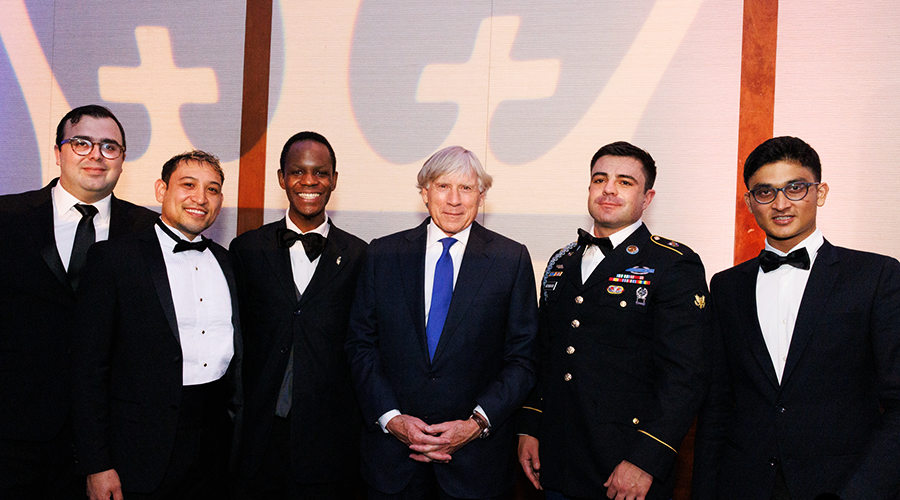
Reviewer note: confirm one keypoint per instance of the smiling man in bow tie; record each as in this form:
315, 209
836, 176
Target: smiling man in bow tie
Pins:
805, 398
297, 277
157, 349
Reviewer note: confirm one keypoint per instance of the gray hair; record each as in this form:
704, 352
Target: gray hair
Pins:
451, 160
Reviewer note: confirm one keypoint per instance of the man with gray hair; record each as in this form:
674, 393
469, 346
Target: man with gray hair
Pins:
442, 345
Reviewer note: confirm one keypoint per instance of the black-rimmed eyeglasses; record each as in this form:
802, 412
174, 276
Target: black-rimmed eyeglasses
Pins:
795, 191
82, 147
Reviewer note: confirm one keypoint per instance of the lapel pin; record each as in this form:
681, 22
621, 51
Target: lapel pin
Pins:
632, 249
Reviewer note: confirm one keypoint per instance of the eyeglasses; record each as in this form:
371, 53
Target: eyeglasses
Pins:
82, 147
795, 191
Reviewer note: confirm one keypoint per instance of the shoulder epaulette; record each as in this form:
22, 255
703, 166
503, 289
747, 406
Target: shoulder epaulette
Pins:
679, 248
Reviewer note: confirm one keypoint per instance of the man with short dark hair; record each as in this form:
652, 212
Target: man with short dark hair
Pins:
441, 345
297, 278
805, 399
44, 237
623, 322
157, 349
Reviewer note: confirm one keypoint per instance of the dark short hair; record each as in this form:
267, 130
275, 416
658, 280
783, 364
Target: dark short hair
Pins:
786, 149
628, 150
92, 110
308, 136
195, 155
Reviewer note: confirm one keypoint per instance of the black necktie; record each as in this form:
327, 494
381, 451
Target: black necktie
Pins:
182, 245
770, 261
585, 238
85, 235
313, 243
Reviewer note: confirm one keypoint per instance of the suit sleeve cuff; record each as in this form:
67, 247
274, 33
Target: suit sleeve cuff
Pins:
384, 419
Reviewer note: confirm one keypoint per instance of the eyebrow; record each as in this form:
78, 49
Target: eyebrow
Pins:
89, 138
766, 184
617, 177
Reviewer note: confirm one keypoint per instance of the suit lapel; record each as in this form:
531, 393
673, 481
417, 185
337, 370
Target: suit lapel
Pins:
156, 266
280, 260
476, 265
44, 237
329, 263
411, 265
821, 281
746, 301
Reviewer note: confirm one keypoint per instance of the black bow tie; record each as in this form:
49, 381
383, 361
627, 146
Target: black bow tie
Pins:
313, 243
770, 261
182, 245
585, 238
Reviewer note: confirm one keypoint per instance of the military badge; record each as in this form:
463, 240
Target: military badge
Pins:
641, 296
615, 289
700, 301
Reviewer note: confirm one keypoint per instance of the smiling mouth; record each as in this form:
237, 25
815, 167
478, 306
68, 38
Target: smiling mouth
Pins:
195, 212
309, 196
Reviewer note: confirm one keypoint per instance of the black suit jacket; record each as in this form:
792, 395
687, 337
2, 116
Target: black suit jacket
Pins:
127, 360
622, 366
36, 308
833, 424
325, 418
485, 356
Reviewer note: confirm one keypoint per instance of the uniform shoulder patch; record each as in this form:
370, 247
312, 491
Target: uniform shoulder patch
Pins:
551, 264
679, 248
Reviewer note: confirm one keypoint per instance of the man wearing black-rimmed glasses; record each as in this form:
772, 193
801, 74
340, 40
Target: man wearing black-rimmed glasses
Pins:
806, 388
44, 236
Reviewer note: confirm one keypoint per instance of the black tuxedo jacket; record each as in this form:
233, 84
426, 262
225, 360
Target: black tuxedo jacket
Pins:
622, 366
486, 356
833, 424
127, 360
36, 308
325, 418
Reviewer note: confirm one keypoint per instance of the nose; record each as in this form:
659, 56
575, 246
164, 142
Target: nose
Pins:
199, 196
610, 188
454, 198
94, 153
309, 179
780, 202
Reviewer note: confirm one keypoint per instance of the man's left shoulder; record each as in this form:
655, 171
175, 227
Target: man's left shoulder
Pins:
353, 243
671, 249
494, 238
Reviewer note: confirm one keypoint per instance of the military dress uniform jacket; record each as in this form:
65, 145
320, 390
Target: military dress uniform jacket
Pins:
623, 371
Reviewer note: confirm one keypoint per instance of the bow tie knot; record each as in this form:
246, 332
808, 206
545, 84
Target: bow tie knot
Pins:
313, 243
770, 261
604, 244
182, 245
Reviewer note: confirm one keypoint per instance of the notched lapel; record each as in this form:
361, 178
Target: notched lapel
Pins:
821, 281
41, 222
280, 261
410, 261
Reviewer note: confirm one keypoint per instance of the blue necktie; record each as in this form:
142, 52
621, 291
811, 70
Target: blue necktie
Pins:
440, 297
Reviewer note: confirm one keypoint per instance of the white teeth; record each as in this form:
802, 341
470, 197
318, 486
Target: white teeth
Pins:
309, 196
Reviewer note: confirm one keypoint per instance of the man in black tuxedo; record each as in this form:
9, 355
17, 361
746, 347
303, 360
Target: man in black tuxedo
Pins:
441, 345
296, 281
44, 238
623, 321
805, 398
157, 349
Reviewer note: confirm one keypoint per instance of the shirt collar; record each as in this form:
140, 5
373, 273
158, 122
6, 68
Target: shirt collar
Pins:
812, 243
435, 235
64, 201
622, 234
322, 229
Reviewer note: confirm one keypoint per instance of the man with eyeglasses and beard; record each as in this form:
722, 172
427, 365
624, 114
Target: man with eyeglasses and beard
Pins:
44, 237
805, 398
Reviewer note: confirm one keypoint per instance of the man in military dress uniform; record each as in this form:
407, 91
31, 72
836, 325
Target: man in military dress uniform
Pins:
623, 319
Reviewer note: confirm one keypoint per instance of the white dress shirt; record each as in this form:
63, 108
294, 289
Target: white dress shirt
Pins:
593, 256
778, 297
301, 267
203, 311
66, 219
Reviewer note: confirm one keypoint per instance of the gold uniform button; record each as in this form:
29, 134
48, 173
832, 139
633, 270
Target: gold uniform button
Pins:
570, 350
579, 299
623, 304
567, 377
635, 421
576, 323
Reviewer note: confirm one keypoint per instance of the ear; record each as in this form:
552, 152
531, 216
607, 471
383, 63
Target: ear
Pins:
821, 193
747, 201
281, 178
481, 197
424, 193
56, 152
648, 197
334, 180
160, 190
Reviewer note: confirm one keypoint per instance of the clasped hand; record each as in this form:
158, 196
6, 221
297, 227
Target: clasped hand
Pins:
433, 443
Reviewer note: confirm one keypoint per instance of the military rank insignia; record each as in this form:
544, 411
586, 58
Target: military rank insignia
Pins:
700, 301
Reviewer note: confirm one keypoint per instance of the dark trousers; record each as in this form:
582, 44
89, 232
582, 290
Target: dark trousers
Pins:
275, 479
198, 468
424, 486
40, 470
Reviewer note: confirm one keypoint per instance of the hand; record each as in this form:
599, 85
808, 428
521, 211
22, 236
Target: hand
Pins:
458, 433
411, 431
628, 482
102, 485
528, 457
